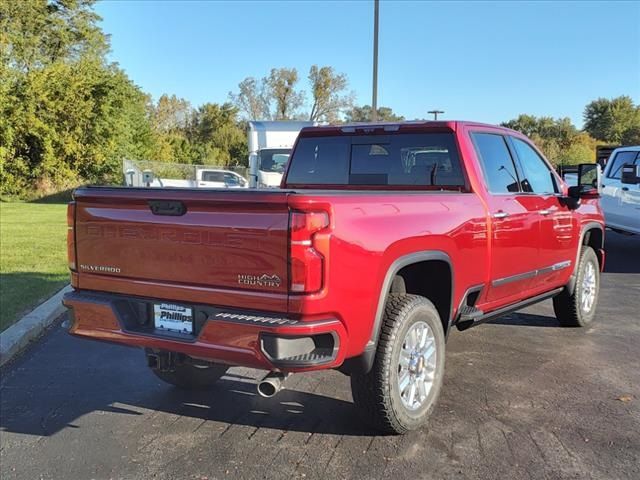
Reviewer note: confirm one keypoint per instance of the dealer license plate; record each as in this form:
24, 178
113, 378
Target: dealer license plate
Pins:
174, 318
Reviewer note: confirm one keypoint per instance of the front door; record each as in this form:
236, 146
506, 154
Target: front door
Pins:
620, 202
556, 252
630, 203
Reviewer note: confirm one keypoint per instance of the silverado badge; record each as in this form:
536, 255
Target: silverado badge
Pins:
263, 280
100, 268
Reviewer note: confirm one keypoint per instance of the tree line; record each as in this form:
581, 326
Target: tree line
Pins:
606, 122
69, 116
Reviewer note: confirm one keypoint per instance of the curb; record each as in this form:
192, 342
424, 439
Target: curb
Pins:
15, 338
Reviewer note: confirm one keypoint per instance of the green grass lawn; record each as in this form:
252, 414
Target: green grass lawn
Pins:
33, 256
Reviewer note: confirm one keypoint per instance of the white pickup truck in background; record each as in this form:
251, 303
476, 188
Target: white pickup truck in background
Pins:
620, 198
205, 178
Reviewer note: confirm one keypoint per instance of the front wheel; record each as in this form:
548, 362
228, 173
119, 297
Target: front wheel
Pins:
579, 308
402, 388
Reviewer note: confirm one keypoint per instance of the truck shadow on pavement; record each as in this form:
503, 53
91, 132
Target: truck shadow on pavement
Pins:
32, 403
622, 253
526, 320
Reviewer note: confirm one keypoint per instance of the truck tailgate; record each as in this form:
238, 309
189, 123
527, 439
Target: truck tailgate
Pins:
224, 240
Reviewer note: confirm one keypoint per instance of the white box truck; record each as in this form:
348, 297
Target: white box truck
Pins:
270, 145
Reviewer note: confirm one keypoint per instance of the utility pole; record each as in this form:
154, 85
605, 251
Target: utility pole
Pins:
435, 113
374, 100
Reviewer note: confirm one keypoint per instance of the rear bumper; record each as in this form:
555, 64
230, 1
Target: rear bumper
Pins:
231, 336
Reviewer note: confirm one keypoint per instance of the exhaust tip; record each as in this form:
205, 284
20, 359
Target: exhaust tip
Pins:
271, 384
267, 389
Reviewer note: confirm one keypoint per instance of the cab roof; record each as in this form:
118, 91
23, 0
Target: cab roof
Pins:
413, 125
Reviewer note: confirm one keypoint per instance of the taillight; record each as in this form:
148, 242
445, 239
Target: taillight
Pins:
71, 238
306, 271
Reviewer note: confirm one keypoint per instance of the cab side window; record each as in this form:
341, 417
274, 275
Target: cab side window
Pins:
230, 179
537, 177
497, 165
212, 177
621, 159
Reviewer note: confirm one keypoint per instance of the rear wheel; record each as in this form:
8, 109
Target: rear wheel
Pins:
188, 373
579, 308
401, 390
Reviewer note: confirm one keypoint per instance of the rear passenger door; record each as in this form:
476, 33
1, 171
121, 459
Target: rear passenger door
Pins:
556, 252
514, 222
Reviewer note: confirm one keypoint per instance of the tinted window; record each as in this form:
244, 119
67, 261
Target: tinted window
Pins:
321, 160
231, 179
213, 176
537, 176
619, 160
377, 160
274, 160
497, 164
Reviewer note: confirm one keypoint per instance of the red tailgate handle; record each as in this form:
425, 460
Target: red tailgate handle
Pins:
173, 208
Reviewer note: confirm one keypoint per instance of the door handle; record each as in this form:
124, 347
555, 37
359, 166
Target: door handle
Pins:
173, 208
544, 212
625, 189
501, 214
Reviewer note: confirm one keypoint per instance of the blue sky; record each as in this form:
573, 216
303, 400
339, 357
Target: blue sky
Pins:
484, 61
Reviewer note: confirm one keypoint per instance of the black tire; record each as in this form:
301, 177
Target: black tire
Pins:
191, 375
376, 394
570, 309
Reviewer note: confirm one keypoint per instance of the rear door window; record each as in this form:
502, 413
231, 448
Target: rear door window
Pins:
213, 176
403, 159
497, 165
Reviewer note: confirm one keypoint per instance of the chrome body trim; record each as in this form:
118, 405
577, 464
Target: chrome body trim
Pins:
531, 274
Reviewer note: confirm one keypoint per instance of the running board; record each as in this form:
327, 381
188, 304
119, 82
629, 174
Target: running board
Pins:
464, 322
469, 314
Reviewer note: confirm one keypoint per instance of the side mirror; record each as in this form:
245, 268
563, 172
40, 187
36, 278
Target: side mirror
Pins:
588, 182
630, 174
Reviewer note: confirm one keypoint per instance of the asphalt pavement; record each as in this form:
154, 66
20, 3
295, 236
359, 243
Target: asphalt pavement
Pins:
522, 398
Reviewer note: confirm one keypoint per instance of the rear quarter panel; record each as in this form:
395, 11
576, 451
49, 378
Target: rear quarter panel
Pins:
371, 230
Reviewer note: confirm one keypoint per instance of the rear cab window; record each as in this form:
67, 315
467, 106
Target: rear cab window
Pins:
402, 160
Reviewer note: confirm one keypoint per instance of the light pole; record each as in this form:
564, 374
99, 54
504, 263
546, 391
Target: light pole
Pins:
435, 113
374, 100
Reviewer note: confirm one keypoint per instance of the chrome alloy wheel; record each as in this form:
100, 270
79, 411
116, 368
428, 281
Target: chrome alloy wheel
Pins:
589, 280
417, 365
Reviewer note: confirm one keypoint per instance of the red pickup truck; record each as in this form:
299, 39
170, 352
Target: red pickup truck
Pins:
379, 241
